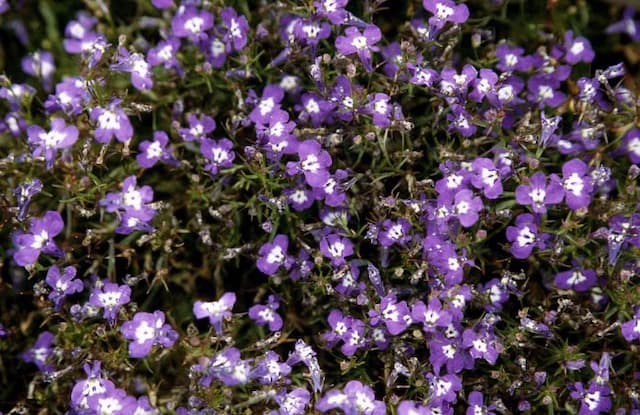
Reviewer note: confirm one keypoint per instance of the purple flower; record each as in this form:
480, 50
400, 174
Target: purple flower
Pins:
395, 315
452, 83
14, 94
445, 11
199, 127
510, 58
360, 43
110, 122
216, 311
355, 398
147, 330
538, 194
94, 384
336, 248
486, 177
23, 194
266, 315
311, 31
110, 297
380, 108
272, 95
40, 64
431, 316
132, 206
72, 96
270, 369
448, 351
218, 153
292, 403
577, 183
484, 86
59, 137
476, 405
578, 49
273, 255
40, 352
192, 23
153, 151
165, 54
480, 344
237, 29
333, 10
62, 285
79, 33
626, 25
394, 232
631, 328
524, 236
461, 121
631, 145
315, 108
594, 400
113, 402
142, 406
314, 163
137, 66
444, 388
39, 239
305, 354
467, 207
543, 90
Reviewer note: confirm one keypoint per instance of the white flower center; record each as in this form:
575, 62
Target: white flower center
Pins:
359, 42
525, 237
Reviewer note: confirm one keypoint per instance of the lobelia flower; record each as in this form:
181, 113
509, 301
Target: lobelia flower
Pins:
432, 316
305, 354
40, 352
23, 194
380, 109
72, 96
132, 206
577, 49
543, 90
314, 163
273, 255
218, 153
631, 329
445, 11
269, 103
466, 207
538, 194
40, 64
507, 91
477, 406
292, 403
594, 400
311, 31
113, 402
299, 198
486, 177
111, 121
315, 108
355, 398
444, 388
631, 145
110, 297
165, 54
423, 76
62, 285
395, 315
480, 344
216, 311
94, 384
14, 123
147, 330
153, 151
199, 127
394, 232
626, 25
137, 66
141, 406
448, 351
452, 83
510, 58
266, 315
236, 29
577, 183
461, 121
192, 23
549, 127
360, 43
38, 239
484, 86
45, 143
336, 248
79, 35
524, 236
271, 370
332, 10
14, 94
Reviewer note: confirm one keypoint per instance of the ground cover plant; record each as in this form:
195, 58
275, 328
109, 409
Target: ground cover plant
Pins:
303, 207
